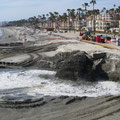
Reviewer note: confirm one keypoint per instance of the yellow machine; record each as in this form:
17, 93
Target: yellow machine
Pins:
114, 33
87, 36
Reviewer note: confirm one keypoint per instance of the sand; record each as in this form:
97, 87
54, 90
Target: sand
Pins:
51, 107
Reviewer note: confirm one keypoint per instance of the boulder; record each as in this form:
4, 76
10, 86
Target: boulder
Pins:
107, 68
98, 55
76, 66
44, 64
112, 67
60, 58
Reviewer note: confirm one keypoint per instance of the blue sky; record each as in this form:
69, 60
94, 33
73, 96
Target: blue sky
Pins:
18, 9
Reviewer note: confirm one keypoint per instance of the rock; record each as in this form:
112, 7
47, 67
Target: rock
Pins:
108, 68
98, 55
44, 64
76, 66
60, 58
100, 73
112, 67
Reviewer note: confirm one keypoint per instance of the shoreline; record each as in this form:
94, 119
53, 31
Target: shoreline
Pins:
48, 54
61, 55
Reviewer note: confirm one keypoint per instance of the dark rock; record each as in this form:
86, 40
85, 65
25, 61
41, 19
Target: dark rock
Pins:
112, 67
98, 55
76, 66
100, 72
44, 64
108, 68
59, 58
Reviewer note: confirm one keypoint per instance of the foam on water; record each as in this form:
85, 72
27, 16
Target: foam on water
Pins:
34, 84
10, 79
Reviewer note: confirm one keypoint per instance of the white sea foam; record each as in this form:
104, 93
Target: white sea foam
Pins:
35, 85
21, 78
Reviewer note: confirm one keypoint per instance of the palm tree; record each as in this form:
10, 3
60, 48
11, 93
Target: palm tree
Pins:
47, 15
114, 6
39, 18
104, 10
118, 13
93, 2
64, 18
68, 10
114, 11
51, 18
73, 16
33, 20
118, 10
56, 15
43, 19
79, 17
85, 5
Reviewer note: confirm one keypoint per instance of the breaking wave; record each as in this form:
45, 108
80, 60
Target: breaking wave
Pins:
24, 84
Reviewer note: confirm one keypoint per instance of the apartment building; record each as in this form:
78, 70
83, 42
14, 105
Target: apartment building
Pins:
119, 24
102, 22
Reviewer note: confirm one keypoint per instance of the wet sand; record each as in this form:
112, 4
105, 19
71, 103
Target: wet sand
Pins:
101, 108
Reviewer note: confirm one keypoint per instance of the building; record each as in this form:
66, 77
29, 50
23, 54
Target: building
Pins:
119, 24
102, 22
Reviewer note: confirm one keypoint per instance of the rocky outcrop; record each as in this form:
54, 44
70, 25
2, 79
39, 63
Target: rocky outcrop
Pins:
111, 67
79, 65
74, 65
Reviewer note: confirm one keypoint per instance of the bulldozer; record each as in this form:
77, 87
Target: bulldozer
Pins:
87, 35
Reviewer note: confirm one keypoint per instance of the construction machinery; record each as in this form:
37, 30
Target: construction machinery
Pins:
87, 35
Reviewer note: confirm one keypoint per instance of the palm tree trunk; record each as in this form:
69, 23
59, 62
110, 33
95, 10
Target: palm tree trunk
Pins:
94, 21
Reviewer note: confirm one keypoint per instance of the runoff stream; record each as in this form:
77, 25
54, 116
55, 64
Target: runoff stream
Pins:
19, 85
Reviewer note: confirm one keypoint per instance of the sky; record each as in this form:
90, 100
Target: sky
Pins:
23, 9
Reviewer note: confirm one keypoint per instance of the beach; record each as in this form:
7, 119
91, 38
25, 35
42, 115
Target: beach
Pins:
41, 80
